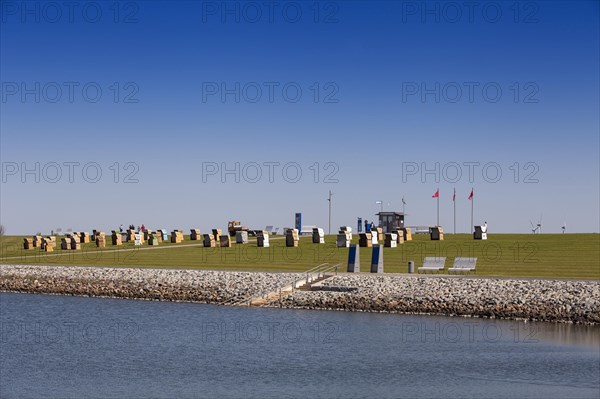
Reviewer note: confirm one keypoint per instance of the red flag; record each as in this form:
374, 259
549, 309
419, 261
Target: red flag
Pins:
454, 196
437, 194
471, 195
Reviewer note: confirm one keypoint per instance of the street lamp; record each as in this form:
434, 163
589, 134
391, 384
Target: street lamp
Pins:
381, 204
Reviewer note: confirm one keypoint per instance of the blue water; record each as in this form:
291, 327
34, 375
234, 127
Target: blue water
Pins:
72, 347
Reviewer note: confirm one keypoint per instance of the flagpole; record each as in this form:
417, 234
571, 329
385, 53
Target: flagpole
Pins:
472, 201
454, 201
329, 199
438, 208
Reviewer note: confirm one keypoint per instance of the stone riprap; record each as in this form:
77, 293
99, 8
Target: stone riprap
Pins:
530, 299
141, 283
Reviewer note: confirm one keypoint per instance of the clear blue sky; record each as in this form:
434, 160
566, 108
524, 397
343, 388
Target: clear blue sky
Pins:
385, 87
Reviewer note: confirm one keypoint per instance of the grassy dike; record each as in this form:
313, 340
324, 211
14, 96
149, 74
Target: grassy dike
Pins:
575, 256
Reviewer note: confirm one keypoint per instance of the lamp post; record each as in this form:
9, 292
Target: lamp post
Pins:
381, 210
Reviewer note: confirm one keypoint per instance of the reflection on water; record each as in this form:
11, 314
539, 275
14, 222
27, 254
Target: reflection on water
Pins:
75, 347
568, 334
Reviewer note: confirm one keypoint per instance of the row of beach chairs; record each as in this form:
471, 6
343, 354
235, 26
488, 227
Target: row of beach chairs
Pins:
437, 264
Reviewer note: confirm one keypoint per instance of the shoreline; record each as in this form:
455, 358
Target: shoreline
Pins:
575, 302
564, 301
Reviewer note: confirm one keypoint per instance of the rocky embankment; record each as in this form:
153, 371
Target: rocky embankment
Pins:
542, 300
133, 283
529, 299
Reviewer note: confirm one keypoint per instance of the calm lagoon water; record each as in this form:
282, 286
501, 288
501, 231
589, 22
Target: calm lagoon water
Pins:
74, 347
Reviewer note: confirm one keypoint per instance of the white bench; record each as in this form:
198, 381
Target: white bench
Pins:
433, 264
463, 265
